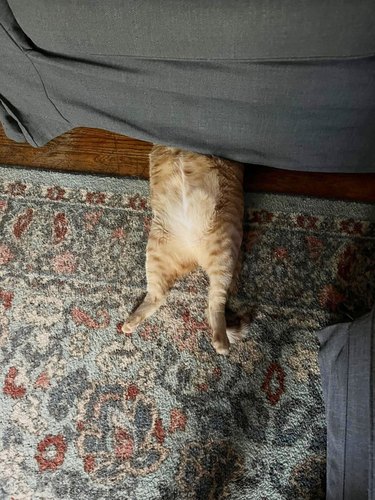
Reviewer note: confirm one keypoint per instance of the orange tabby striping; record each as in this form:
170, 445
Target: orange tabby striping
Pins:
198, 207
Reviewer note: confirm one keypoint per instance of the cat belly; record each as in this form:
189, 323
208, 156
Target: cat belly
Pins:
190, 223
187, 203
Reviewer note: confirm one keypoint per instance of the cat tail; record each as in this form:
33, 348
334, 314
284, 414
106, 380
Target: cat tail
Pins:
237, 326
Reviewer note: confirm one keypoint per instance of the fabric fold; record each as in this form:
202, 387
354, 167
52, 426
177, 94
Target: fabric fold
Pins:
28, 114
347, 363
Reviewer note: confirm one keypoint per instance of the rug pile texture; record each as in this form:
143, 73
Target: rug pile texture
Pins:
87, 412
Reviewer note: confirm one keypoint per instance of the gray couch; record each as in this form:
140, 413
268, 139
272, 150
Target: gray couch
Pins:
286, 84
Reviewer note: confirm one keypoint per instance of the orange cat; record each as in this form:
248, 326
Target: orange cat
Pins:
198, 206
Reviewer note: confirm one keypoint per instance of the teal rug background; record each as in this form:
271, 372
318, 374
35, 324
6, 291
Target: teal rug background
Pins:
87, 412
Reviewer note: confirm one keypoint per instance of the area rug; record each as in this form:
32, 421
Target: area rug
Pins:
90, 413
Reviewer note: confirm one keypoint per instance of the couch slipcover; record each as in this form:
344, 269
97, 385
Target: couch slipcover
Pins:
287, 85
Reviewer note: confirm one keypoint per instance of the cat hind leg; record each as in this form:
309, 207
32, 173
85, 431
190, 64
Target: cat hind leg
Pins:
161, 274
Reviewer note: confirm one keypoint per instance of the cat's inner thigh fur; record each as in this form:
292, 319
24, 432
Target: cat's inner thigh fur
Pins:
197, 204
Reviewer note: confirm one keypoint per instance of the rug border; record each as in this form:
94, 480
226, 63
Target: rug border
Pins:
120, 185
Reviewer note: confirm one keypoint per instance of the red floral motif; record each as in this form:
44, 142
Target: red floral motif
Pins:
281, 253
159, 431
95, 198
5, 255
315, 247
347, 262
23, 223
124, 448
307, 221
60, 228
55, 193
261, 217
202, 387
80, 317
186, 337
80, 425
92, 219
46, 463
330, 297
137, 202
132, 392
274, 394
16, 189
190, 322
6, 298
128, 431
119, 233
149, 332
65, 263
178, 421
3, 205
89, 463
352, 227
43, 381
10, 387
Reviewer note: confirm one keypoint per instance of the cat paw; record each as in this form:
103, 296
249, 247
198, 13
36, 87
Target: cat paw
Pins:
127, 328
130, 325
221, 347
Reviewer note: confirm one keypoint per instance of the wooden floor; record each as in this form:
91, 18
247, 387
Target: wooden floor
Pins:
98, 151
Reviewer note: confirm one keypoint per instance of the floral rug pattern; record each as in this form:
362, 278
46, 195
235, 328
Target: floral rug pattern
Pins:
90, 413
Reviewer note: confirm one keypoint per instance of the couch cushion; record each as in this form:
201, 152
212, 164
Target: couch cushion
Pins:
201, 29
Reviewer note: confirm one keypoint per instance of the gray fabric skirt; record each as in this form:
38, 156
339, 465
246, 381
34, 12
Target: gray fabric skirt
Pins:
302, 114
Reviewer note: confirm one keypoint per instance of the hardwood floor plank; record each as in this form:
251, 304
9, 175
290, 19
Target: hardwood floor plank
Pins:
81, 150
98, 151
354, 187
